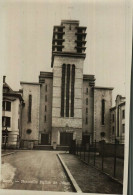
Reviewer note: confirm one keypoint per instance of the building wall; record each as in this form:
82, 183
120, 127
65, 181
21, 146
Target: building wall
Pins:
14, 128
70, 37
100, 94
121, 135
113, 125
87, 117
57, 120
34, 90
45, 126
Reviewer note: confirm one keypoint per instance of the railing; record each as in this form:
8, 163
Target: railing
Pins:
109, 158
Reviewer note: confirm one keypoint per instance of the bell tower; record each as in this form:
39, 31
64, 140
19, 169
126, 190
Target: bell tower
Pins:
68, 54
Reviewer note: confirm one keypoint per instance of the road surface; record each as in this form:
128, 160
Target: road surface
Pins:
34, 170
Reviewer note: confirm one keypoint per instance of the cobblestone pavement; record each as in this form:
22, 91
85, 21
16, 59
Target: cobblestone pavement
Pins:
89, 179
108, 164
34, 170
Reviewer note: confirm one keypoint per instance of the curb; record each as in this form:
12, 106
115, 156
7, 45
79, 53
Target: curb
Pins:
7, 154
112, 178
71, 178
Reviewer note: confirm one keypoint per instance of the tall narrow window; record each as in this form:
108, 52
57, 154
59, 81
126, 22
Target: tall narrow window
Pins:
86, 121
30, 107
86, 110
63, 89
72, 90
87, 90
45, 108
45, 118
86, 101
113, 130
123, 128
45, 98
103, 112
67, 90
113, 117
123, 114
46, 88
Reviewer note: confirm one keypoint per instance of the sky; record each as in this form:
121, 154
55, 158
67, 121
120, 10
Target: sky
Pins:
26, 39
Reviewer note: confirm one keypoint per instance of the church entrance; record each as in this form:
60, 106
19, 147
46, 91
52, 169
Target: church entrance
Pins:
44, 139
66, 138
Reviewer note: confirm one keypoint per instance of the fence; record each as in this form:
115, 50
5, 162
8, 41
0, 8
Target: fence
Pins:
109, 158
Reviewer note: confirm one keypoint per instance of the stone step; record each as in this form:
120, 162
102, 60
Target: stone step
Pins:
50, 147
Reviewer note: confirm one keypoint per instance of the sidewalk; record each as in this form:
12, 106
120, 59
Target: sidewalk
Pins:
89, 179
108, 164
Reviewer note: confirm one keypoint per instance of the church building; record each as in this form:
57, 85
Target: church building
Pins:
65, 104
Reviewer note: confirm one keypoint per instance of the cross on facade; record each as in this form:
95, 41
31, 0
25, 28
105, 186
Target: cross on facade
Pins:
70, 8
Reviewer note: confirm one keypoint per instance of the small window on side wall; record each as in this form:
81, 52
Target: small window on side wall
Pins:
28, 131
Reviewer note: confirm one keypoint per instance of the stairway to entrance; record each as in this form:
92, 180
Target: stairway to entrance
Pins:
50, 147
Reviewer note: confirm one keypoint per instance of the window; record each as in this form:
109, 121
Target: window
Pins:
113, 130
123, 128
30, 108
67, 96
6, 121
46, 88
45, 98
45, 108
86, 101
63, 89
87, 90
6, 106
113, 117
86, 121
45, 118
18, 123
67, 90
28, 131
86, 110
123, 114
72, 90
103, 112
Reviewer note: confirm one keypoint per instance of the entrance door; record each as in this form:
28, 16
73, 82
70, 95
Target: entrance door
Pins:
66, 138
85, 139
44, 139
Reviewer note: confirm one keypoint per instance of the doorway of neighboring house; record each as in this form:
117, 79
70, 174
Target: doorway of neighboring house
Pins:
85, 139
45, 139
66, 138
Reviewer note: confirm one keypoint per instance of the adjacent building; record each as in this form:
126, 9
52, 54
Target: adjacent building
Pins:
11, 116
118, 120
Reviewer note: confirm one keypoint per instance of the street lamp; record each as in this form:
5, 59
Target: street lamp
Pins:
6, 136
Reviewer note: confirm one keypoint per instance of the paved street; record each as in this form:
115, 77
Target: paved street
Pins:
89, 179
34, 170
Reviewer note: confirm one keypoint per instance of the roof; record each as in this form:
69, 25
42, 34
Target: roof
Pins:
5, 85
113, 108
17, 95
69, 22
9, 98
89, 77
104, 88
46, 74
29, 83
120, 105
